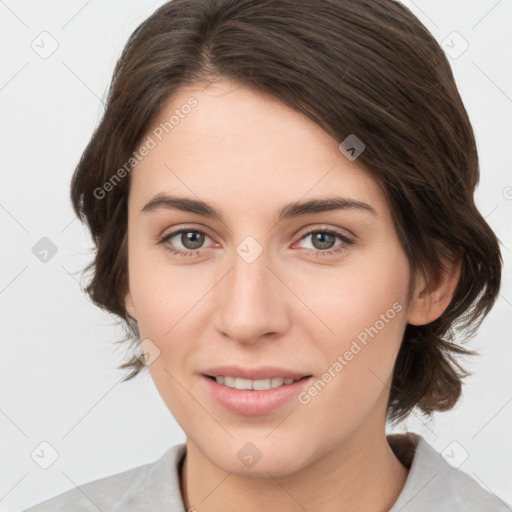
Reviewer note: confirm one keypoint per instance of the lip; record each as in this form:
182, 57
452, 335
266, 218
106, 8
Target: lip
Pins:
254, 403
263, 372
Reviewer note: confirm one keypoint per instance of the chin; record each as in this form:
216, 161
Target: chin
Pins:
256, 459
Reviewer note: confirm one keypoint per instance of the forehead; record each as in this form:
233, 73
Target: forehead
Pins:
227, 141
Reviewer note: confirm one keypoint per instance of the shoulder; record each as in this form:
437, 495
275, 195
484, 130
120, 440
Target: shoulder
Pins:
125, 491
102, 494
433, 484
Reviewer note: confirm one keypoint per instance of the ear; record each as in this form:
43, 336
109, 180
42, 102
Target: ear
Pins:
429, 303
128, 304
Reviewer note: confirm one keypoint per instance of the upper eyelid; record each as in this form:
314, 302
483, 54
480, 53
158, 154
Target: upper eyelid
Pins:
337, 230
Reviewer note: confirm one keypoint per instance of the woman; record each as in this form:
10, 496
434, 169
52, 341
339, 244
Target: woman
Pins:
281, 196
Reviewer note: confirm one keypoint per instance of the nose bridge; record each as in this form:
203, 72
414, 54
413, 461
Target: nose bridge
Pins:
245, 303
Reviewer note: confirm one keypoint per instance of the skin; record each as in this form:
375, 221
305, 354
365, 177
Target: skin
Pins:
248, 154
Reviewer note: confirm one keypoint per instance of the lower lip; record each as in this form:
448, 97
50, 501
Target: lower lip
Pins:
254, 403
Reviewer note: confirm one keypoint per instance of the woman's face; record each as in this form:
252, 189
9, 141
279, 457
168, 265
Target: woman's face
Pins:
260, 289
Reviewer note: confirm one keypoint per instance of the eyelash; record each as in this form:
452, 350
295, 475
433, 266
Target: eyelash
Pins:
343, 247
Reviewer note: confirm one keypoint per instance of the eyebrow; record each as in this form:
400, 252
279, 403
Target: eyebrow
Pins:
288, 211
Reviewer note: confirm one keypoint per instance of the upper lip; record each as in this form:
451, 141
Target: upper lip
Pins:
263, 372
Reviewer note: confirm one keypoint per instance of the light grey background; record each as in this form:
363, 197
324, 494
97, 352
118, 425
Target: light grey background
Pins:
58, 379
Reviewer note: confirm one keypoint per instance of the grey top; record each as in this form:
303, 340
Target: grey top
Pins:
432, 485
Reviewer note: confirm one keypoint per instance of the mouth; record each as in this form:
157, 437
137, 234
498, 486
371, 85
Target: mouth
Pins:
254, 385
254, 398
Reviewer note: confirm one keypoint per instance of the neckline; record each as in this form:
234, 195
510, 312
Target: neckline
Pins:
404, 447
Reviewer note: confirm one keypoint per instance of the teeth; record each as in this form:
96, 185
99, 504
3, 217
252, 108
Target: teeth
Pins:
257, 385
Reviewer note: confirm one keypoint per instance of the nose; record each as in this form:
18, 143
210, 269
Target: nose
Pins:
251, 301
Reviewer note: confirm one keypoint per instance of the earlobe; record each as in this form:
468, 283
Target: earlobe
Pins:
128, 304
428, 304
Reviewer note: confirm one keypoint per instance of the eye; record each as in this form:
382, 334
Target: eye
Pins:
190, 238
193, 238
323, 241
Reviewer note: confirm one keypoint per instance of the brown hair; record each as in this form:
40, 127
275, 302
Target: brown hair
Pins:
363, 67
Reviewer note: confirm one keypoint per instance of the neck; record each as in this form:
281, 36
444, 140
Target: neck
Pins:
362, 473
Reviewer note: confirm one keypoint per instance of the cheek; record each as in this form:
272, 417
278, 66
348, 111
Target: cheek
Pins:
368, 291
168, 305
165, 294
362, 309
171, 302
